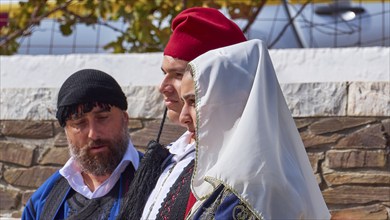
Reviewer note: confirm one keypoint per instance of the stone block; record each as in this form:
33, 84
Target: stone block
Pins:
55, 156
1, 170
60, 140
307, 99
361, 178
15, 153
377, 212
312, 140
369, 137
1, 128
345, 195
328, 125
135, 124
28, 103
386, 126
340, 159
170, 133
32, 177
9, 199
303, 122
314, 159
318, 178
144, 101
369, 99
17, 215
40, 103
57, 127
28, 129
26, 196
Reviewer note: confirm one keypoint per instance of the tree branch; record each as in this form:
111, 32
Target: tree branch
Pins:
254, 16
32, 22
86, 19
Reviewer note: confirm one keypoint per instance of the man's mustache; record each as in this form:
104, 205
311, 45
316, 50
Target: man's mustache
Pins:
97, 143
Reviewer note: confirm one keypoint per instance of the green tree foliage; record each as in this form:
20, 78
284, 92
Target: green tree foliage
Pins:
147, 19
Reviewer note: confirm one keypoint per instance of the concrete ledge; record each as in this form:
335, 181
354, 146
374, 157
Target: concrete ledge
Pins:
369, 99
316, 99
40, 103
303, 99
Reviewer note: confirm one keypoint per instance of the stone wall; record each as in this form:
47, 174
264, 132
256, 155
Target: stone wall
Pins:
344, 126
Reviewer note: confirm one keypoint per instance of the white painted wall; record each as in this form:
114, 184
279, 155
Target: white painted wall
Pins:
50, 71
315, 82
291, 65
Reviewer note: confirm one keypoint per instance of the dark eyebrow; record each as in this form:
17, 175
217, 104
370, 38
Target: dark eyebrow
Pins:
174, 70
76, 117
163, 70
188, 96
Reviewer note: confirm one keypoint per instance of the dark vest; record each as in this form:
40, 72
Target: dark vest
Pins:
81, 207
175, 203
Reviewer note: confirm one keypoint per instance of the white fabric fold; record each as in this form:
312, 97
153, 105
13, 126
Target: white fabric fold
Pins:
247, 138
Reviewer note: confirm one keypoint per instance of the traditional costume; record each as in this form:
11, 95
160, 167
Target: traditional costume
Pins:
250, 161
195, 31
65, 195
170, 197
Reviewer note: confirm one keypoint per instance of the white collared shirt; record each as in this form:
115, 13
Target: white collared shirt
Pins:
72, 172
182, 156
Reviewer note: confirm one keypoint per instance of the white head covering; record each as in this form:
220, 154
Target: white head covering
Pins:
247, 139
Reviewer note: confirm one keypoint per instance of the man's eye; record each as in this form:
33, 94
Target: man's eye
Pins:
102, 117
191, 102
78, 123
179, 75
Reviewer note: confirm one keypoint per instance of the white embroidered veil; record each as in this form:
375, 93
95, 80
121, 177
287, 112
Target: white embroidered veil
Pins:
247, 139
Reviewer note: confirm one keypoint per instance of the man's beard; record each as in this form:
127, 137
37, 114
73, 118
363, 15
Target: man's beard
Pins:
101, 163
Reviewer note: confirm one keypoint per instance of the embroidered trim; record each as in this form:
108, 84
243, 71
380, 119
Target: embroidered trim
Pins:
163, 183
195, 76
241, 212
173, 206
209, 213
258, 215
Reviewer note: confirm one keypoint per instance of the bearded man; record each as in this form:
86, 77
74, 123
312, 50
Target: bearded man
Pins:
91, 108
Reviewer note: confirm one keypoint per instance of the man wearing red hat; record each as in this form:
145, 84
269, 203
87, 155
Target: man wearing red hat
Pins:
195, 31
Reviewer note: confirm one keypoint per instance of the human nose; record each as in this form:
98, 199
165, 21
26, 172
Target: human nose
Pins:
185, 117
93, 131
166, 85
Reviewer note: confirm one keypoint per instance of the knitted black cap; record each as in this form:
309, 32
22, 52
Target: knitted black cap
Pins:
88, 86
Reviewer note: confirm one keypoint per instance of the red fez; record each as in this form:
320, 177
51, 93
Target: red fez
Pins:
198, 30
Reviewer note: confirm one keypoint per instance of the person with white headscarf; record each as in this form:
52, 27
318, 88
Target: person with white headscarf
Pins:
250, 160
